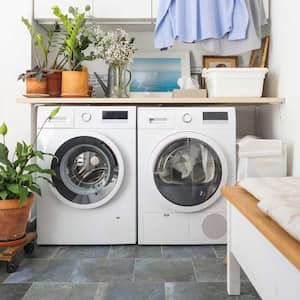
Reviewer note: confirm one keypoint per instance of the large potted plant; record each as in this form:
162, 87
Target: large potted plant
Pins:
76, 43
19, 176
45, 77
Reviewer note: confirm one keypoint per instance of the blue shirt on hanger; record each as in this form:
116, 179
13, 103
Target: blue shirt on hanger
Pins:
190, 21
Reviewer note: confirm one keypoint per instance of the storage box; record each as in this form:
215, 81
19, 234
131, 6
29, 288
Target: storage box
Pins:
235, 82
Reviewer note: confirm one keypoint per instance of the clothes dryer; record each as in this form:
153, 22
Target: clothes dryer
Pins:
185, 156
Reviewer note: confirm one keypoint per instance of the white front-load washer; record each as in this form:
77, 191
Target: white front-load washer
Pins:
93, 197
185, 156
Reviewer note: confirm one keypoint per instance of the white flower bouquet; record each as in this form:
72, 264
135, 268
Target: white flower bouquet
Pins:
115, 48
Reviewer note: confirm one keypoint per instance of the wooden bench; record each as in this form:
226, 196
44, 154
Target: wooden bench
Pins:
268, 254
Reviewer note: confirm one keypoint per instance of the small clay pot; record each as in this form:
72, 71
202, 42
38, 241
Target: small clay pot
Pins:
13, 218
75, 84
35, 86
54, 83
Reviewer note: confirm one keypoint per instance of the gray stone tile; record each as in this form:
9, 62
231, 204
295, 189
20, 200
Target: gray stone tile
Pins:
3, 273
78, 252
42, 252
135, 251
39, 270
13, 291
61, 291
100, 270
220, 251
188, 251
248, 292
210, 269
197, 291
130, 291
164, 270
244, 277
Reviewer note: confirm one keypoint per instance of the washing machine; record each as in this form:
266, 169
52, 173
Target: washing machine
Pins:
185, 156
93, 197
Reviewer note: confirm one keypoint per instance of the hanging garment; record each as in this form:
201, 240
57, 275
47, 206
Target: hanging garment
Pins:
196, 20
257, 18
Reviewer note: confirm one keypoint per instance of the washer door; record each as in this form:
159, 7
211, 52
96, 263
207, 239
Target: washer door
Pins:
89, 171
188, 171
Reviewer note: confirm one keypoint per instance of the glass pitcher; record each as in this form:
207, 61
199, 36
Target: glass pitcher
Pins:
119, 78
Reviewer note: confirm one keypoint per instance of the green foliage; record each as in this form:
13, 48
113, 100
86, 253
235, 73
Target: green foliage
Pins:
19, 175
38, 43
76, 42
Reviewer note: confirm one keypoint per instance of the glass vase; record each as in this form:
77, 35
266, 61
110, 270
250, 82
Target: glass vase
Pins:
120, 78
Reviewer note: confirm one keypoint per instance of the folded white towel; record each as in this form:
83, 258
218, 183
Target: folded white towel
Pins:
253, 147
279, 198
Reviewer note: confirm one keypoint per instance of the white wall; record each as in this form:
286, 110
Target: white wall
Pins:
282, 121
15, 53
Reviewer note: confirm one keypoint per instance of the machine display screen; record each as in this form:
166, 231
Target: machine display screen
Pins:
115, 115
215, 116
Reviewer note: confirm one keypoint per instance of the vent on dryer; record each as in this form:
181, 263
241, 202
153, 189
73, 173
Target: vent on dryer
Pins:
214, 226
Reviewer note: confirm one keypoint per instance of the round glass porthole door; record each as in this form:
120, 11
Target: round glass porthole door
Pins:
87, 172
188, 172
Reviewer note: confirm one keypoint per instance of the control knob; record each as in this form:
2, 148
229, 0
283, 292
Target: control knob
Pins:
187, 118
86, 117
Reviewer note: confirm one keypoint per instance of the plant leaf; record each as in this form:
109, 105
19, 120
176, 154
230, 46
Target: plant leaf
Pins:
54, 112
35, 189
3, 154
23, 192
3, 195
46, 179
14, 188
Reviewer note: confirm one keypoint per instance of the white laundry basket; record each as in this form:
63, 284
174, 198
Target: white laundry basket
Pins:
261, 158
235, 82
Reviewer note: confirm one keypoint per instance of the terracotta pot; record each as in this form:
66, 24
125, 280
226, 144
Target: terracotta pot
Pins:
34, 86
54, 83
75, 84
13, 218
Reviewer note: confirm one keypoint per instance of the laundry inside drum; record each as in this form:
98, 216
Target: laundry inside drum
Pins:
188, 172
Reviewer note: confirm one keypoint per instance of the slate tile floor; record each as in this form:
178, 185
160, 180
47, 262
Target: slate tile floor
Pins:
121, 273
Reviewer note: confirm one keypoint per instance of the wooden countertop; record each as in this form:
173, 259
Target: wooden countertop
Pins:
145, 101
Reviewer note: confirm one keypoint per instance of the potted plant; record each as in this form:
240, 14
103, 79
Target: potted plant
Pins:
76, 43
55, 44
44, 78
19, 177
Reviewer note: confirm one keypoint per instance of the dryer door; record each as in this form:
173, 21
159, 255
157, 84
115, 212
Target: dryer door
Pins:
188, 171
89, 171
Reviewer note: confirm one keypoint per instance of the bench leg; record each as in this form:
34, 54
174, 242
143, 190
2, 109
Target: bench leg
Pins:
233, 275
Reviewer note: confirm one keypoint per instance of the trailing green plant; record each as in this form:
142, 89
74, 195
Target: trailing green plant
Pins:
36, 72
76, 40
19, 176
